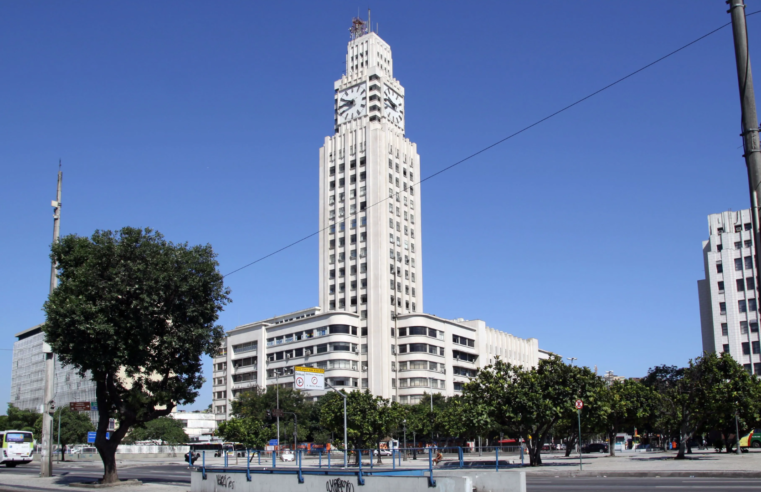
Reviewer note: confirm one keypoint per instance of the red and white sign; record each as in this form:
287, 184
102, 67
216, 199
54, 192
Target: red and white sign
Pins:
579, 404
309, 378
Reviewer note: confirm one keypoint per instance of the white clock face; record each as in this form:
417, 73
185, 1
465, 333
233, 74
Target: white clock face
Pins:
393, 106
351, 103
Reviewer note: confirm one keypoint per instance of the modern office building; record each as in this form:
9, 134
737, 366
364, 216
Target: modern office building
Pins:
27, 376
369, 330
729, 310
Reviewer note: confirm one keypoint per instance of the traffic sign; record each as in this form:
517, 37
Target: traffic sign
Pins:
579, 404
309, 378
91, 436
79, 406
278, 413
273, 442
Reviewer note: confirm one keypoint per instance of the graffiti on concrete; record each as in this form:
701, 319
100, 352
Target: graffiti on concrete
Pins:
226, 482
338, 485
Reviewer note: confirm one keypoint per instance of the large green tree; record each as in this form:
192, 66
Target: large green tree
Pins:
692, 396
18, 419
249, 431
74, 428
137, 313
369, 418
165, 429
258, 404
623, 405
530, 401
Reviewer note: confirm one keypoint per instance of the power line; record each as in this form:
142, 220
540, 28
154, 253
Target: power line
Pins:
503, 140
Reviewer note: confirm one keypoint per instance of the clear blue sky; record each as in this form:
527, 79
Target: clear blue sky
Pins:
203, 120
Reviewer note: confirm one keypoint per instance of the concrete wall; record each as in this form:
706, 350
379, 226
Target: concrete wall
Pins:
454, 481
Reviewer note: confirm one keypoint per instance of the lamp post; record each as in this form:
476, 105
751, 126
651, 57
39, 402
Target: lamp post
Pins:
430, 383
572, 359
346, 444
404, 426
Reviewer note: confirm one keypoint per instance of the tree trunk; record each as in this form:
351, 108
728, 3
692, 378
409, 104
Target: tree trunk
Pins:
108, 456
535, 455
570, 444
379, 462
63, 452
684, 435
612, 443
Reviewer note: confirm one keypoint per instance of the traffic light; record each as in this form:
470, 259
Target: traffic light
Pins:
269, 414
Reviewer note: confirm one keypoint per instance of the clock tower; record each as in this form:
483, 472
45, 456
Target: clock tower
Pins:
370, 208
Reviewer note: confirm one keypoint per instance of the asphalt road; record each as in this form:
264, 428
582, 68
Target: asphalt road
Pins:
642, 484
86, 472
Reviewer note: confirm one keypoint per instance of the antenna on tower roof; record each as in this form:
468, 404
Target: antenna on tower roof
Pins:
368, 20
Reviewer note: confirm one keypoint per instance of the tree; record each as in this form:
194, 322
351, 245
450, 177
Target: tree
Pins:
258, 403
164, 429
690, 396
18, 419
529, 402
369, 418
249, 431
74, 428
624, 404
137, 312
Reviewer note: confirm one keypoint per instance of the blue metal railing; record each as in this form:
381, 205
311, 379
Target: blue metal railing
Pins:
360, 472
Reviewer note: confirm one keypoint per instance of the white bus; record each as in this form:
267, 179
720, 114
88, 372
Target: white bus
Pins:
17, 447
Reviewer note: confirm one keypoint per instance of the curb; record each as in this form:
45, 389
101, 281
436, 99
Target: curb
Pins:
645, 474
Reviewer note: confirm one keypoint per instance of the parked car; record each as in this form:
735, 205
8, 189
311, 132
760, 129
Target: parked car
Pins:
595, 447
383, 452
751, 440
643, 448
287, 455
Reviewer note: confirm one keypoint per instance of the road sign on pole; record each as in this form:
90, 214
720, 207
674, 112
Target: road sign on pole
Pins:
79, 406
309, 378
579, 404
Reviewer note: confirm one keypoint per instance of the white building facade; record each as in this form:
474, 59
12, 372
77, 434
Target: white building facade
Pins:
729, 310
369, 331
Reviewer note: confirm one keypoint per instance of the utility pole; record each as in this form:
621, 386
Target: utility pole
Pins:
46, 465
752, 150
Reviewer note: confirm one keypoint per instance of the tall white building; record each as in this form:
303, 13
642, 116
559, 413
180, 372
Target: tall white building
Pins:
369, 330
729, 310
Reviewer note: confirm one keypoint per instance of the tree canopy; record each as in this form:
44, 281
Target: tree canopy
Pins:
165, 429
137, 312
74, 428
17, 419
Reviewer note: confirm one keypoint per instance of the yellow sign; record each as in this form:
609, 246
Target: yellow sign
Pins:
309, 369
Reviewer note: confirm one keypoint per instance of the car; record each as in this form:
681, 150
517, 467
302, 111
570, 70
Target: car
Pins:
595, 447
383, 452
287, 455
643, 448
751, 440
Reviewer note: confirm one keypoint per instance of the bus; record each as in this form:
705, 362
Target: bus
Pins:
17, 446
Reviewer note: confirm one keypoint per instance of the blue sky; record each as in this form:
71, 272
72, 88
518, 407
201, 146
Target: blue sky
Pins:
203, 120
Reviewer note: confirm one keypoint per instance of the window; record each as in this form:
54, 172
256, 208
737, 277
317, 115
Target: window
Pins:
738, 228
724, 330
719, 269
756, 347
362, 191
750, 283
725, 348
332, 274
746, 348
754, 326
391, 238
363, 221
744, 327
747, 227
752, 305
747, 243
740, 285
742, 307
738, 245
721, 287
748, 263
363, 269
738, 264
722, 308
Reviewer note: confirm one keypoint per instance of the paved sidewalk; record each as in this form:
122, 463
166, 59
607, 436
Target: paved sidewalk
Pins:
19, 483
662, 464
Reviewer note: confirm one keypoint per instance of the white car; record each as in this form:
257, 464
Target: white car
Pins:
287, 455
383, 452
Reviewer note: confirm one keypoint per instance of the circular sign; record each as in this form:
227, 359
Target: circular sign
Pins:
579, 404
299, 381
314, 380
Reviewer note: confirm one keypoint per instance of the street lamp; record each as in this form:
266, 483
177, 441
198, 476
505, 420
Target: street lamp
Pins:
346, 439
404, 426
572, 359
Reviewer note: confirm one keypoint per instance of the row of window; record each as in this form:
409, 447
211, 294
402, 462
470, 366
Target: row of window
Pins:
352, 285
323, 348
420, 383
353, 224
738, 228
352, 210
245, 362
397, 301
740, 284
352, 180
315, 332
352, 163
242, 378
352, 239
743, 328
420, 347
463, 371
743, 306
419, 331
352, 302
463, 341
420, 365
352, 271
746, 347
352, 255
399, 288
746, 262
464, 356
244, 347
